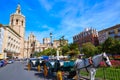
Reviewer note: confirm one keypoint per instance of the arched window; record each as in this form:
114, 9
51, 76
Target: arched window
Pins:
22, 23
11, 21
16, 21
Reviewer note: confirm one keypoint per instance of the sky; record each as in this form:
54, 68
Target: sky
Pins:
62, 17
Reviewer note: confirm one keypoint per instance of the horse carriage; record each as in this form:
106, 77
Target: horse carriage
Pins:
34, 63
65, 70
60, 69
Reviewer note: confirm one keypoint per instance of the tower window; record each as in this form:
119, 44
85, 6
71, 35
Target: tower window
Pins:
11, 21
22, 23
16, 21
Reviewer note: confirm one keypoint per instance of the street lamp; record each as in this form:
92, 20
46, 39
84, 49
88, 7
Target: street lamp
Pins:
51, 39
51, 42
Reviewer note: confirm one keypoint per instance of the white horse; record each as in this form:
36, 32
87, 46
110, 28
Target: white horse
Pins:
91, 68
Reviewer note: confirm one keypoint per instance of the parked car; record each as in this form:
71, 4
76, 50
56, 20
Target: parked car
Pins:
5, 62
2, 62
10, 61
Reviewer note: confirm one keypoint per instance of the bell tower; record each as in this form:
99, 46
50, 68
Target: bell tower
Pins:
17, 23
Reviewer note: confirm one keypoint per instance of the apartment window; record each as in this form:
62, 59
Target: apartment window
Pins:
111, 32
112, 35
118, 29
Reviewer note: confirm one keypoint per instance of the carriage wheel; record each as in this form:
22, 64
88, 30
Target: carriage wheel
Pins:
38, 68
59, 75
45, 71
29, 67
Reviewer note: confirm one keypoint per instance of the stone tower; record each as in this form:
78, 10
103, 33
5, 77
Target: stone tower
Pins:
17, 23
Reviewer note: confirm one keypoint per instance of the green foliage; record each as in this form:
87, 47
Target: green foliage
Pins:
70, 49
105, 73
99, 49
46, 52
53, 51
65, 49
73, 49
49, 51
111, 46
36, 54
108, 45
116, 47
88, 49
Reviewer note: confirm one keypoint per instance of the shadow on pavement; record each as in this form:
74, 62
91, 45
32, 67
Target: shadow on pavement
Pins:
32, 69
41, 75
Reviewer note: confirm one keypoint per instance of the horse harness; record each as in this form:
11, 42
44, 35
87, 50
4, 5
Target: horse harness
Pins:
90, 64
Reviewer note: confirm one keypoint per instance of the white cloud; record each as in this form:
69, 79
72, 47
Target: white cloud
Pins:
97, 16
46, 4
78, 15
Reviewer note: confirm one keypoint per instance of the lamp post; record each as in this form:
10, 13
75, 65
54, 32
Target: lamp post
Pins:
51, 42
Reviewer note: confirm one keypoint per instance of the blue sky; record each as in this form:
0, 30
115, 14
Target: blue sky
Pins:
62, 17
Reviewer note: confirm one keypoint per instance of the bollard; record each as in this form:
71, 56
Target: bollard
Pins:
59, 75
29, 67
38, 68
45, 71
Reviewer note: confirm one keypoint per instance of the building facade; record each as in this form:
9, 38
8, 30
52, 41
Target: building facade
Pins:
1, 41
113, 32
13, 36
47, 42
10, 43
88, 35
32, 45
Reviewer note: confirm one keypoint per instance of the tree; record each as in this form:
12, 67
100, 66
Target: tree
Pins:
108, 45
88, 49
99, 48
48, 52
36, 54
116, 47
64, 49
73, 49
53, 51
